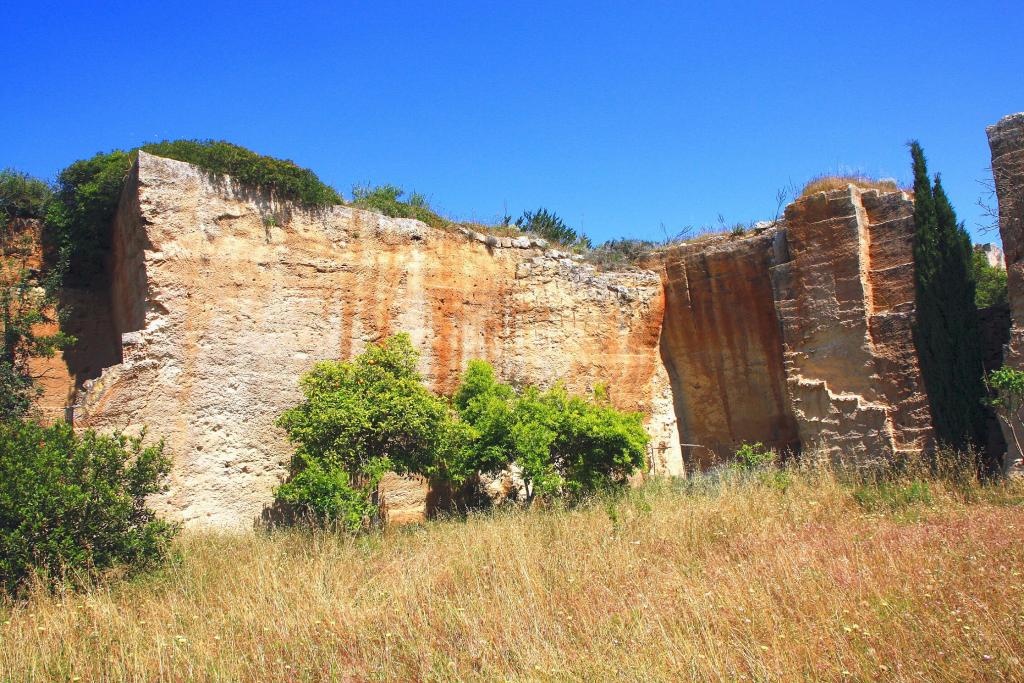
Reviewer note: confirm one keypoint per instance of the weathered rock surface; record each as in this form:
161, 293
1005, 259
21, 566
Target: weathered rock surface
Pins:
223, 298
845, 297
1006, 140
722, 346
402, 499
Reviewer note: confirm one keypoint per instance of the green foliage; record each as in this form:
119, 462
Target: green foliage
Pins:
360, 419
327, 496
287, 179
22, 196
27, 301
73, 506
990, 282
946, 331
892, 496
88, 191
1006, 398
386, 199
561, 444
548, 225
754, 456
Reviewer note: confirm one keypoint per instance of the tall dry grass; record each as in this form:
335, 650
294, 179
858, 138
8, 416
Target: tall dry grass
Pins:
791, 576
827, 183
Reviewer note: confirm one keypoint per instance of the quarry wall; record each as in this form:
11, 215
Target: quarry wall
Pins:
221, 297
1006, 141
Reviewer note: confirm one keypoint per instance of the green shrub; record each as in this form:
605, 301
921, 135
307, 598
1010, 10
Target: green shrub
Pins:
990, 282
72, 506
88, 191
753, 456
22, 196
548, 225
386, 199
561, 444
360, 419
287, 179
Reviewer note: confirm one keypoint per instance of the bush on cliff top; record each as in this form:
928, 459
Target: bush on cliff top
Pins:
72, 506
88, 191
386, 199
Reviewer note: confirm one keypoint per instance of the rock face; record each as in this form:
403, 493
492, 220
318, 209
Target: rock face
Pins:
845, 296
221, 298
1006, 140
722, 346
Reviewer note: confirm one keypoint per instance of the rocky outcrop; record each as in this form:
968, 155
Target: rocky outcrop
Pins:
845, 296
1006, 141
223, 297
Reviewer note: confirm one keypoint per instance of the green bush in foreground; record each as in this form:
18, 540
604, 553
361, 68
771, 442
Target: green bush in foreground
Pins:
363, 418
561, 444
360, 419
72, 506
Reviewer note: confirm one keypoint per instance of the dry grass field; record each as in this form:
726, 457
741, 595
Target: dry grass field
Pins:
792, 576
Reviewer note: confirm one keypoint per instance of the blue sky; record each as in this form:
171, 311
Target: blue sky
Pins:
619, 116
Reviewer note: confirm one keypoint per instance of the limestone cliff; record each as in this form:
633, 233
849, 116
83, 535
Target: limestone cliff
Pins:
221, 297
845, 297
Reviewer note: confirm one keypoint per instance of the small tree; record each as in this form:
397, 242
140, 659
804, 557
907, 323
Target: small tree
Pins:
990, 282
76, 504
360, 419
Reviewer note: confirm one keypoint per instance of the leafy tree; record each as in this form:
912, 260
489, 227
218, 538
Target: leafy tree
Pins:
990, 282
76, 504
561, 444
548, 225
946, 330
360, 419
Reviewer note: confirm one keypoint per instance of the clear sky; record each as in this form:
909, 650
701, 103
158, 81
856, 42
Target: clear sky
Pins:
621, 117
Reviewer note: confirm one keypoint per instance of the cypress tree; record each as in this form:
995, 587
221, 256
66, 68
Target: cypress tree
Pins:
946, 330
